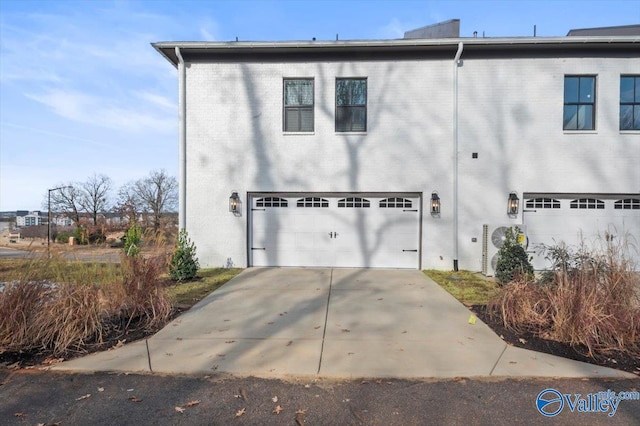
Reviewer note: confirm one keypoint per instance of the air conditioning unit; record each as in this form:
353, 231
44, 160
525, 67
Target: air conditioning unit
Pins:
493, 237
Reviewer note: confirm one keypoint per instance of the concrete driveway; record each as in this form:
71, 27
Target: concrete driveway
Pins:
331, 323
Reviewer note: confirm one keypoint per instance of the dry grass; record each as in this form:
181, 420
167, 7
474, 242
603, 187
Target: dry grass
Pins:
87, 302
590, 299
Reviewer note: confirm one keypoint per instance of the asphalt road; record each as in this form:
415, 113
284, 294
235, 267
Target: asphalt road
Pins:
30, 397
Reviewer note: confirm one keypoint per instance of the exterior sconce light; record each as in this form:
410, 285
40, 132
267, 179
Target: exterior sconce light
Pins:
234, 203
513, 204
435, 204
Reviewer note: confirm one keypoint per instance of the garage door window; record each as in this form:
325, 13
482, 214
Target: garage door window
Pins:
313, 202
398, 203
356, 202
627, 204
271, 202
543, 203
587, 203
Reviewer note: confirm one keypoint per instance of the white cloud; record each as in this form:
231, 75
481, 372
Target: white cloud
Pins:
104, 112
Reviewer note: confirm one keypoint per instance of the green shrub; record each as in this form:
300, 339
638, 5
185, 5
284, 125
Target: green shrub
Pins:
513, 261
81, 235
184, 263
63, 237
132, 240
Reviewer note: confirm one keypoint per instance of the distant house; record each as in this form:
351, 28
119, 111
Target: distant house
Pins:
25, 218
409, 153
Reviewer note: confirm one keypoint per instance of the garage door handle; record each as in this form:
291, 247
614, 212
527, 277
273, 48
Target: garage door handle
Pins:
405, 210
258, 248
529, 211
258, 210
415, 251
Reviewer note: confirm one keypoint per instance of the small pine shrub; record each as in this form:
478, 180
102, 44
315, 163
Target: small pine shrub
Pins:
184, 263
513, 261
63, 237
132, 240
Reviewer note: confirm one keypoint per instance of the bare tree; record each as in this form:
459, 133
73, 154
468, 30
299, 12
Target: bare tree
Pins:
66, 200
128, 204
94, 195
158, 193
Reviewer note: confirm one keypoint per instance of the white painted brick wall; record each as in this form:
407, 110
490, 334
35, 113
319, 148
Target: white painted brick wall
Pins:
510, 114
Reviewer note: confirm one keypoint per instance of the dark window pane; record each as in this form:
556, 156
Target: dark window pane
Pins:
298, 92
636, 117
570, 89
626, 89
585, 117
626, 117
570, 117
587, 90
637, 97
351, 92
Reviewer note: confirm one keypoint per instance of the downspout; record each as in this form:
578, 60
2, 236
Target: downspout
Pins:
182, 156
456, 65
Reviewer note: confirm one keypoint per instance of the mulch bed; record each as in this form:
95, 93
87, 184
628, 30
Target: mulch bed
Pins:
617, 360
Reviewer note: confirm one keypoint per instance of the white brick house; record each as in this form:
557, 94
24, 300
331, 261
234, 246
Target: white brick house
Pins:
335, 148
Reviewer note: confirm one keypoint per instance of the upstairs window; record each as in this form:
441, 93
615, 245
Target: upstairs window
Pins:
351, 105
298, 105
630, 102
579, 102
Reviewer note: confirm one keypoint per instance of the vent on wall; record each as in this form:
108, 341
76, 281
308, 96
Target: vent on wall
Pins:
493, 237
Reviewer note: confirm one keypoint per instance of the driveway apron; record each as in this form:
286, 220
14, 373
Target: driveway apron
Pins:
271, 322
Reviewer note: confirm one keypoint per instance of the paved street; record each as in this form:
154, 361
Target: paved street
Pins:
33, 397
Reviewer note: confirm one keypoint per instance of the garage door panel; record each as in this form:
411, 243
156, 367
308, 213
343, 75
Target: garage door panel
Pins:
571, 225
338, 231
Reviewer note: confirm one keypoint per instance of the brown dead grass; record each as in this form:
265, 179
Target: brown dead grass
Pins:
66, 315
594, 302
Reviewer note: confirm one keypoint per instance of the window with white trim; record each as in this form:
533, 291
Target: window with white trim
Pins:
630, 102
351, 104
356, 202
579, 102
587, 203
398, 203
298, 105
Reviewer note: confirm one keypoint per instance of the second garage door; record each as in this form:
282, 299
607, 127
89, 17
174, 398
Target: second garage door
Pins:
335, 230
574, 219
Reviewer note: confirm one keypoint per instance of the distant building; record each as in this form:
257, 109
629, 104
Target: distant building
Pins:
24, 218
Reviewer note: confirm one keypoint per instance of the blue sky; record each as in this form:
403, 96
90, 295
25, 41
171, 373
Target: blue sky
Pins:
83, 92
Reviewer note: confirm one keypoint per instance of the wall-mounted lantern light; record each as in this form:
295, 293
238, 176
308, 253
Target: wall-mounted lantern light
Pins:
234, 203
513, 204
435, 204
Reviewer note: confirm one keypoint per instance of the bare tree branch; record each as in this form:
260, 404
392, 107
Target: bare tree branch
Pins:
94, 195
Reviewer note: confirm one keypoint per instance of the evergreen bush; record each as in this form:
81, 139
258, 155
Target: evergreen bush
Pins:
184, 263
513, 261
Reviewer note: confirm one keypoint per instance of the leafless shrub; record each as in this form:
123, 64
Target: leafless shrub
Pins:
68, 315
20, 301
589, 298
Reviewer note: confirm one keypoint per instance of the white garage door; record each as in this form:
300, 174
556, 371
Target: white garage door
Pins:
350, 230
574, 218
